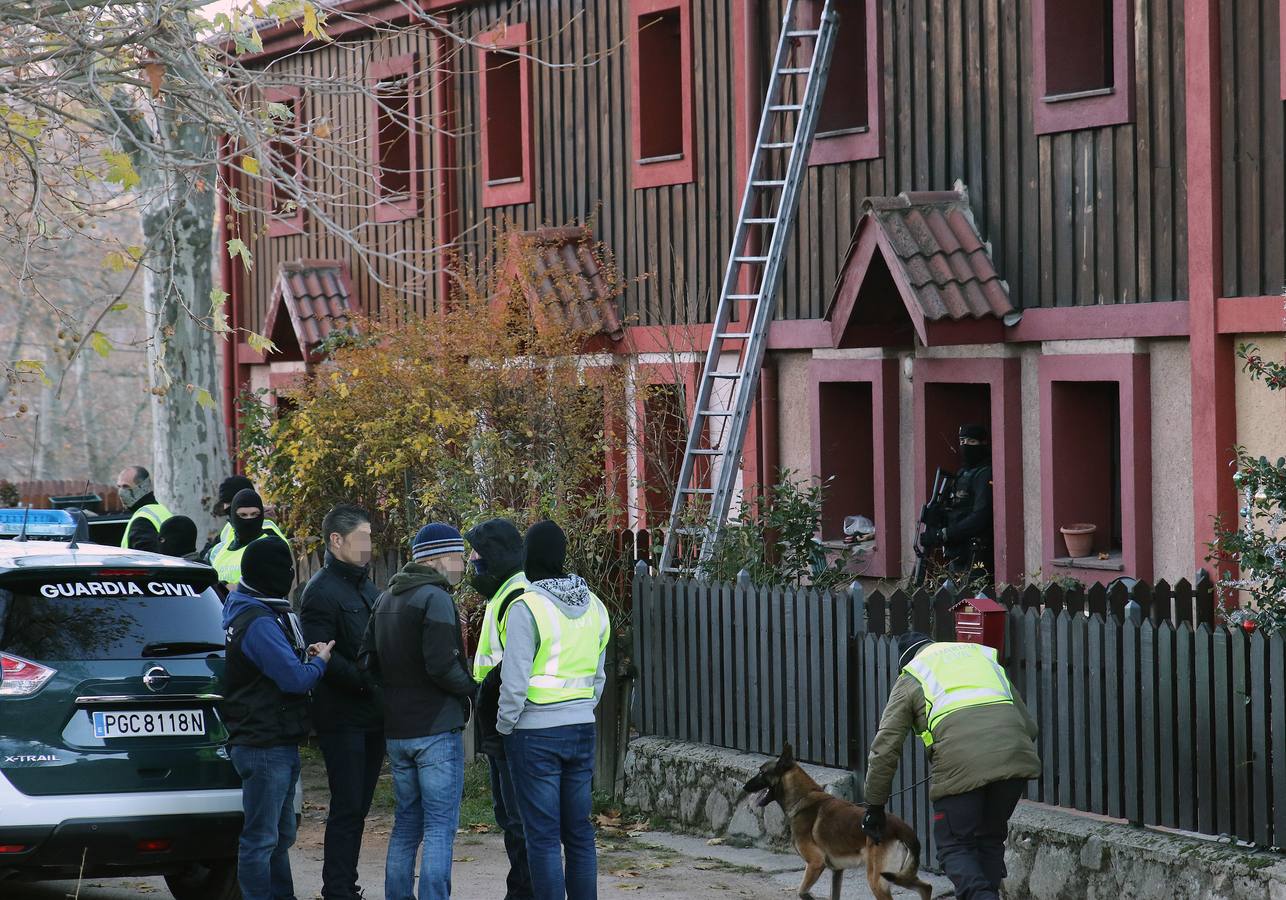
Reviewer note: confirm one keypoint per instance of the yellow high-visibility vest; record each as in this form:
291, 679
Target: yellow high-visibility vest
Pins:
957, 676
566, 662
156, 513
491, 642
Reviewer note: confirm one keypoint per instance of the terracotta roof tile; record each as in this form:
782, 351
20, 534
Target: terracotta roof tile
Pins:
566, 283
316, 297
944, 257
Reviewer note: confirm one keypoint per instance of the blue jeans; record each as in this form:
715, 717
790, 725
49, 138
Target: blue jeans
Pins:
552, 770
505, 805
428, 782
268, 776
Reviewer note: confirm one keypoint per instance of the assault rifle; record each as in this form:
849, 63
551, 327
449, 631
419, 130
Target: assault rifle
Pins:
932, 515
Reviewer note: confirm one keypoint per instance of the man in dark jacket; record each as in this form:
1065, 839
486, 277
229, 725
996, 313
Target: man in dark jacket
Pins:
335, 606
979, 739
413, 647
267, 675
143, 530
497, 561
966, 536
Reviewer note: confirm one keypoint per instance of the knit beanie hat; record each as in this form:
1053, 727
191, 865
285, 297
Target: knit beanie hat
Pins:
436, 539
267, 568
974, 431
546, 547
909, 644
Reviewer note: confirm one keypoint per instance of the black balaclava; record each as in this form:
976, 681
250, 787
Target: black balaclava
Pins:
246, 529
178, 536
970, 456
267, 568
547, 552
500, 555
546, 546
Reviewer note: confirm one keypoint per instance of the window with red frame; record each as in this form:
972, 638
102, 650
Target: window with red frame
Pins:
848, 123
662, 85
286, 163
505, 117
665, 432
394, 129
1082, 63
661, 77
394, 138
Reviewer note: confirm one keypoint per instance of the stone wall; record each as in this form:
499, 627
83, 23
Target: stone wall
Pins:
697, 788
1056, 855
1053, 854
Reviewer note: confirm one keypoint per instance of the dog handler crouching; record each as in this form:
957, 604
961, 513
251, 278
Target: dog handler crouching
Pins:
979, 739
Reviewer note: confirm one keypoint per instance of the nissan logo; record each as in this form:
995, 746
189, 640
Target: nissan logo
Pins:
156, 679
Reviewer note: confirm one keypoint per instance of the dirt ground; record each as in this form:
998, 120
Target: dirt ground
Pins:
480, 864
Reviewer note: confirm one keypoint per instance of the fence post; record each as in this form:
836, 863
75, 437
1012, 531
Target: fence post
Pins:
639, 694
857, 608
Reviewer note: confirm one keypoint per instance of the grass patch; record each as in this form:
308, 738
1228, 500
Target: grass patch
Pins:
475, 807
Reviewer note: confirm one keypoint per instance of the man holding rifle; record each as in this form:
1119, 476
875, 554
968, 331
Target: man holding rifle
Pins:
958, 516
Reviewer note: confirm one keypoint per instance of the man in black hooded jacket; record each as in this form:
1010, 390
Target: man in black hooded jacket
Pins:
497, 562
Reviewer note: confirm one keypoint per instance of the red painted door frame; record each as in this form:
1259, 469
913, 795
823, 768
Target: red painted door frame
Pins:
1213, 362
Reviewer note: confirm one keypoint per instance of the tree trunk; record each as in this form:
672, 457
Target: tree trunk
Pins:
189, 446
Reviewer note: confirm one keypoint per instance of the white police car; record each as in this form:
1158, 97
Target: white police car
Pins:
112, 752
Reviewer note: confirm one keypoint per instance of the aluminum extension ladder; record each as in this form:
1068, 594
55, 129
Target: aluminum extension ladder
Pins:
769, 208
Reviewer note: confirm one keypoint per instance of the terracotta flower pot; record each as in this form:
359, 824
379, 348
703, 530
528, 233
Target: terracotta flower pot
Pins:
1079, 538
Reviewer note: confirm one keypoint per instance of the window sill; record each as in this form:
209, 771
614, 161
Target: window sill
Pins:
851, 145
285, 227
507, 192
396, 210
1114, 562
1079, 95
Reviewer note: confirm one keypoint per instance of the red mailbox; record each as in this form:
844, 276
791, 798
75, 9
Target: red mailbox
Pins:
981, 620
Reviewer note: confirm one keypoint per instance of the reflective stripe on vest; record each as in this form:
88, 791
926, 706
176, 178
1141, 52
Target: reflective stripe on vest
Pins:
156, 513
227, 562
566, 663
227, 534
491, 643
956, 676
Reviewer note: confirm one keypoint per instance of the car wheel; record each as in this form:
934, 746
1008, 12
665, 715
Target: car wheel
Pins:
215, 880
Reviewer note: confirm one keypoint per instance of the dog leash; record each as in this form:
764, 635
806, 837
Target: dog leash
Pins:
910, 786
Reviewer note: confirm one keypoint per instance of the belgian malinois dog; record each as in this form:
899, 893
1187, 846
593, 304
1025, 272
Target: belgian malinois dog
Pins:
827, 833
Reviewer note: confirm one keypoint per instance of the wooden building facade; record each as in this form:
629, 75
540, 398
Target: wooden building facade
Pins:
1118, 166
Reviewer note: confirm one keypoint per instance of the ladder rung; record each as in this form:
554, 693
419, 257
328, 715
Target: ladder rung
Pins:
707, 452
777, 145
688, 490
805, 32
716, 412
769, 183
761, 221
794, 71
733, 335
725, 374
786, 107
750, 259
743, 296
688, 530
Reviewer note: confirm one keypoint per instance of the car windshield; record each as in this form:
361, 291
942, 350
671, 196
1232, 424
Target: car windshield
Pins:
108, 616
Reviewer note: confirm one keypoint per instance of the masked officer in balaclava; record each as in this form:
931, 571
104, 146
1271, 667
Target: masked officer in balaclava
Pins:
966, 539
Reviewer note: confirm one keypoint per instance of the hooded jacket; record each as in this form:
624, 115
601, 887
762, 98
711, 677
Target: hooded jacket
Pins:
266, 679
502, 549
336, 606
413, 648
573, 598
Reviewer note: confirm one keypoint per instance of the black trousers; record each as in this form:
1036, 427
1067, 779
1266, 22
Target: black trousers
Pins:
970, 830
353, 762
505, 805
